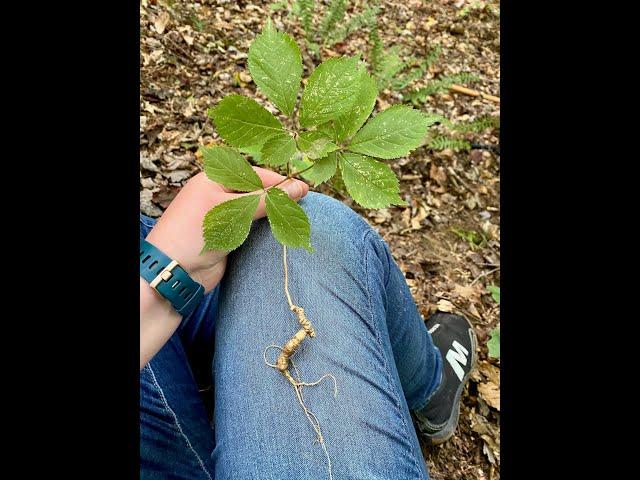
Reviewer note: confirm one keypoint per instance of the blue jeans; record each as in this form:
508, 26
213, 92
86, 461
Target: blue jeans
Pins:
370, 336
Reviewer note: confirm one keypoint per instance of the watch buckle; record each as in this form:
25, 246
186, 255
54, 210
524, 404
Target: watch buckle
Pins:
164, 275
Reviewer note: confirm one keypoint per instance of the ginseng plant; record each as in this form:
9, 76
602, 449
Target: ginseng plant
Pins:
325, 135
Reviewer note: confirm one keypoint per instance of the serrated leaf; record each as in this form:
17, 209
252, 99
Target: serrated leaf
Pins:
328, 130
392, 133
495, 293
330, 91
227, 224
370, 183
243, 122
276, 67
278, 150
300, 164
288, 221
254, 151
348, 124
322, 170
227, 167
315, 144
494, 344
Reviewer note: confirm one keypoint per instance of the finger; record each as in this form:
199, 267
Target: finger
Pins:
268, 177
296, 189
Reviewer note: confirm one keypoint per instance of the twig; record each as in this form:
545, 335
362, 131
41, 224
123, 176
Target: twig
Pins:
484, 275
473, 93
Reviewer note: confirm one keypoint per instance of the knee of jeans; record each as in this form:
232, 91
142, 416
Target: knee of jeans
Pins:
338, 234
335, 228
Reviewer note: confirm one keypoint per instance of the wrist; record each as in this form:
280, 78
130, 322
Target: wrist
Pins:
155, 307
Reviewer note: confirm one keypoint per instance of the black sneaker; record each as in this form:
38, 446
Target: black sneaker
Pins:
455, 338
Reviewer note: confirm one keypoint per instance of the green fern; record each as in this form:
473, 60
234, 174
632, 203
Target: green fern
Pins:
278, 5
440, 85
388, 66
358, 22
376, 56
418, 71
306, 9
442, 142
334, 14
479, 125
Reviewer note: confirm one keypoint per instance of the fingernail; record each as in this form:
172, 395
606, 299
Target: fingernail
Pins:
292, 188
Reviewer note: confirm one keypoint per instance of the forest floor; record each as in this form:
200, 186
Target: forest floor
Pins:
193, 54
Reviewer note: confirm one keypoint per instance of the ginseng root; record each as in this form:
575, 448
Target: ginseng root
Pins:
285, 362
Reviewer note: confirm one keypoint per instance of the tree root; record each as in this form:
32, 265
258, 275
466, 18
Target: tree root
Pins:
285, 361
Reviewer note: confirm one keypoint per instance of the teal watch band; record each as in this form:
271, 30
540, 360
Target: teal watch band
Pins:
169, 279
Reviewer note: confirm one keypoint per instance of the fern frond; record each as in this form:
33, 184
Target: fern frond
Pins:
479, 125
356, 23
334, 14
439, 85
306, 8
376, 55
441, 143
390, 65
418, 71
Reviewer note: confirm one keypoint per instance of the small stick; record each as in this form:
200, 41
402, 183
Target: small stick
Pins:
473, 93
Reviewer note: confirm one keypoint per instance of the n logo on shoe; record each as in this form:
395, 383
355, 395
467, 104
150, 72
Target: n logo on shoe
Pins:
457, 357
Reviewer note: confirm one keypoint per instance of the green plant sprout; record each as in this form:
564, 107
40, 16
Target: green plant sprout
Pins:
328, 134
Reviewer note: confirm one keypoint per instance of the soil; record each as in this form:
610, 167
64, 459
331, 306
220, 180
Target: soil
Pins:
193, 54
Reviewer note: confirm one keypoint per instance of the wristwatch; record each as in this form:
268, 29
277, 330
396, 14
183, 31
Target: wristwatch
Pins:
169, 279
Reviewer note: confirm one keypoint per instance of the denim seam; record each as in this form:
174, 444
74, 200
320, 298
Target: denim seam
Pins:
384, 357
142, 221
176, 422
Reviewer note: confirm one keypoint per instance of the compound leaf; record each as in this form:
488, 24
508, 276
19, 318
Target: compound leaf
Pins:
243, 122
289, 224
227, 224
370, 183
276, 67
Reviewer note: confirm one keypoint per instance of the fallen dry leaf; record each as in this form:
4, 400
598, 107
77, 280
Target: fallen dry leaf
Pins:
468, 292
416, 221
438, 174
161, 22
445, 306
490, 393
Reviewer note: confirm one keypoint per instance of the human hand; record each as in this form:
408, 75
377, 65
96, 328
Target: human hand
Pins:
178, 233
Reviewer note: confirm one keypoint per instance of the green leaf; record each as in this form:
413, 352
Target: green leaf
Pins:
315, 144
322, 170
392, 133
288, 221
278, 150
276, 67
330, 91
243, 122
300, 164
349, 123
371, 183
227, 224
494, 343
495, 293
227, 167
328, 130
254, 151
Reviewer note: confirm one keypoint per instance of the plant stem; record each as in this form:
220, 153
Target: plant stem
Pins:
289, 177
